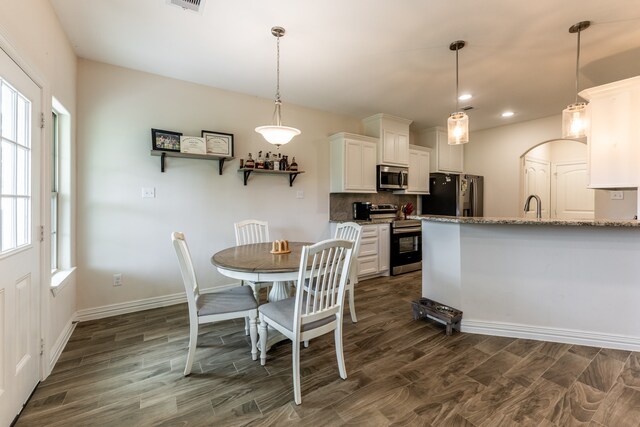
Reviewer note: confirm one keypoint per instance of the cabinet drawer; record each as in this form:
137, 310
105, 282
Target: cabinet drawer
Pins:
368, 247
367, 265
369, 231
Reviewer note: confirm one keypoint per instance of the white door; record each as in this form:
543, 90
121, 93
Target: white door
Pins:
20, 141
537, 181
572, 198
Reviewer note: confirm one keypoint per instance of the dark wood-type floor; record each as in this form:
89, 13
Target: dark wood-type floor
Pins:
127, 371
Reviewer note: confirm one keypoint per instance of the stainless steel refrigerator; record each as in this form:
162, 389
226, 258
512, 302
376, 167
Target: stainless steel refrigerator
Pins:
454, 195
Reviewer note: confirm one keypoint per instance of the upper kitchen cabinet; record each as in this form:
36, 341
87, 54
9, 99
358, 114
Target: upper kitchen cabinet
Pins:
444, 158
393, 135
613, 140
353, 163
419, 168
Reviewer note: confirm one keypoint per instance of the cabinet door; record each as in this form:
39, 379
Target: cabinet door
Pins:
353, 165
450, 157
368, 167
418, 171
402, 149
388, 142
384, 240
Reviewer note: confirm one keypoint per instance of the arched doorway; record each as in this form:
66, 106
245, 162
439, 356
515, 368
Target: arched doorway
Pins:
556, 171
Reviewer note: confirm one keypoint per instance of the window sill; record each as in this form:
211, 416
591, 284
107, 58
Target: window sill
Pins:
60, 279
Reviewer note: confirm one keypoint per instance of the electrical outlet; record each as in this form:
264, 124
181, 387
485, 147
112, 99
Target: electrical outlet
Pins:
117, 279
616, 195
148, 192
299, 194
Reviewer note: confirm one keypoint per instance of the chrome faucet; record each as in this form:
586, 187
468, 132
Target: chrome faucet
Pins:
538, 206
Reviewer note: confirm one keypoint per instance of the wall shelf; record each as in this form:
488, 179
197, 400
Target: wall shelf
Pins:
292, 174
164, 154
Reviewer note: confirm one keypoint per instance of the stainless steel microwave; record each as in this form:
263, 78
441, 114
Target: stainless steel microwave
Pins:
392, 177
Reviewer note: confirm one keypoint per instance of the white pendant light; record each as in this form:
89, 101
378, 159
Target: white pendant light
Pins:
458, 122
574, 117
275, 133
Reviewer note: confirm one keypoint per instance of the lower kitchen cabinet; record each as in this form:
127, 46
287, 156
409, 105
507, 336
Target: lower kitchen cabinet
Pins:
373, 259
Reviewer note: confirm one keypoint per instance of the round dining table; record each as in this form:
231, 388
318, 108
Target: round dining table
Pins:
256, 263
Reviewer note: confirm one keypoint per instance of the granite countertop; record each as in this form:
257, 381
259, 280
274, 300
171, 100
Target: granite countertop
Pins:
365, 222
530, 221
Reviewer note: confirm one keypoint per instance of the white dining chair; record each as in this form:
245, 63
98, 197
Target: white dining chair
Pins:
233, 303
248, 232
308, 315
352, 232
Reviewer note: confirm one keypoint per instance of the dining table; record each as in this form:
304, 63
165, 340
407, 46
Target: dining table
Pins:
256, 263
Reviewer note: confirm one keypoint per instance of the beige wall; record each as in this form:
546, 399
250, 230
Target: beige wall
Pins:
30, 30
120, 232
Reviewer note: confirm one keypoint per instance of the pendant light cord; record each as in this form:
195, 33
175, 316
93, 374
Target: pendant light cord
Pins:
277, 115
578, 66
457, 98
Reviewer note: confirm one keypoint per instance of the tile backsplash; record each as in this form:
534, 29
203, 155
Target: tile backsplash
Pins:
341, 204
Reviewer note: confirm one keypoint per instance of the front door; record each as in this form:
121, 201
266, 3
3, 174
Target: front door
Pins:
20, 187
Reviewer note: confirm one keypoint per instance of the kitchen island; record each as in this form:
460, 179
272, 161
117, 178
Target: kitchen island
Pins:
573, 281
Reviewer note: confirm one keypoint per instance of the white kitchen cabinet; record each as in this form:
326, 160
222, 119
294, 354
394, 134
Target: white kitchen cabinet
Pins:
613, 140
393, 135
419, 168
444, 157
373, 258
353, 163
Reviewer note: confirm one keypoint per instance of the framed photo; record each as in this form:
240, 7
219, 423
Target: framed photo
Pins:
165, 140
218, 143
192, 145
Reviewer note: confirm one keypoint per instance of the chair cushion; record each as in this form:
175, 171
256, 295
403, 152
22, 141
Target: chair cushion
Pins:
282, 313
226, 301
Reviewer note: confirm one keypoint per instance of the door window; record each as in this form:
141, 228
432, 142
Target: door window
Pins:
15, 168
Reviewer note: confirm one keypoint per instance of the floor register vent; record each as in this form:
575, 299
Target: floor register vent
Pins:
193, 5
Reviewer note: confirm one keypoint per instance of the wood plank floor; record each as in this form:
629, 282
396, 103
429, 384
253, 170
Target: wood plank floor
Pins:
127, 371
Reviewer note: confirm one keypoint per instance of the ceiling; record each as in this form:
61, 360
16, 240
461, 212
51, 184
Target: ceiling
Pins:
361, 57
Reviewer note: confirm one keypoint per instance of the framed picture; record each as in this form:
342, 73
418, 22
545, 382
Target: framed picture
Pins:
165, 140
192, 145
218, 143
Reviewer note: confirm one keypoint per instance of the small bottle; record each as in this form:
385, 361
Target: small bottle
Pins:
260, 161
250, 163
294, 165
241, 163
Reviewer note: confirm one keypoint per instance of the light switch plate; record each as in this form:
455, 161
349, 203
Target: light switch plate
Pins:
299, 194
148, 192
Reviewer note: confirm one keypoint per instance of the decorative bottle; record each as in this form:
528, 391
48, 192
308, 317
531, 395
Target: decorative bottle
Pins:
294, 165
250, 163
260, 161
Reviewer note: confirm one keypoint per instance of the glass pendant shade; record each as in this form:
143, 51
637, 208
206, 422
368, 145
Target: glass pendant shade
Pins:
458, 128
275, 133
574, 121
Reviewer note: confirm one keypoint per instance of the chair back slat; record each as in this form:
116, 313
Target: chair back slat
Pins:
326, 267
352, 232
251, 231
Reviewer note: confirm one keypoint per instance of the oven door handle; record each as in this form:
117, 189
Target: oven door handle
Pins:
407, 230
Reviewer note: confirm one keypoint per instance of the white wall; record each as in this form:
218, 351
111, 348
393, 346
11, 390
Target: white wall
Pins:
33, 31
119, 232
495, 154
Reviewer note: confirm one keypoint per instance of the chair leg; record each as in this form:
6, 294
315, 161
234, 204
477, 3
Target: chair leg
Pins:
306, 343
352, 304
193, 341
295, 351
247, 326
256, 292
263, 340
339, 353
253, 319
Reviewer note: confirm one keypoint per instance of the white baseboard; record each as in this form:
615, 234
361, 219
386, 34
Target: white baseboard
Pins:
59, 345
568, 336
139, 305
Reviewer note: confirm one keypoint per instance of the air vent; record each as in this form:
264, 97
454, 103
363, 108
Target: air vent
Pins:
193, 5
467, 108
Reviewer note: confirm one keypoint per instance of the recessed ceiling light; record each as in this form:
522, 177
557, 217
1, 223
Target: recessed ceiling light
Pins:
465, 97
508, 114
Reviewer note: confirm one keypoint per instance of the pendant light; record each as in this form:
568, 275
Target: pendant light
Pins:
574, 117
458, 122
275, 133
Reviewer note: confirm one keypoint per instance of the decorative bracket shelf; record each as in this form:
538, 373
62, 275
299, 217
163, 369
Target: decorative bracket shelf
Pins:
164, 154
292, 174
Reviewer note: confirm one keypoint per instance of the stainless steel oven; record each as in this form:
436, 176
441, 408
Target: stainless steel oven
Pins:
406, 246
